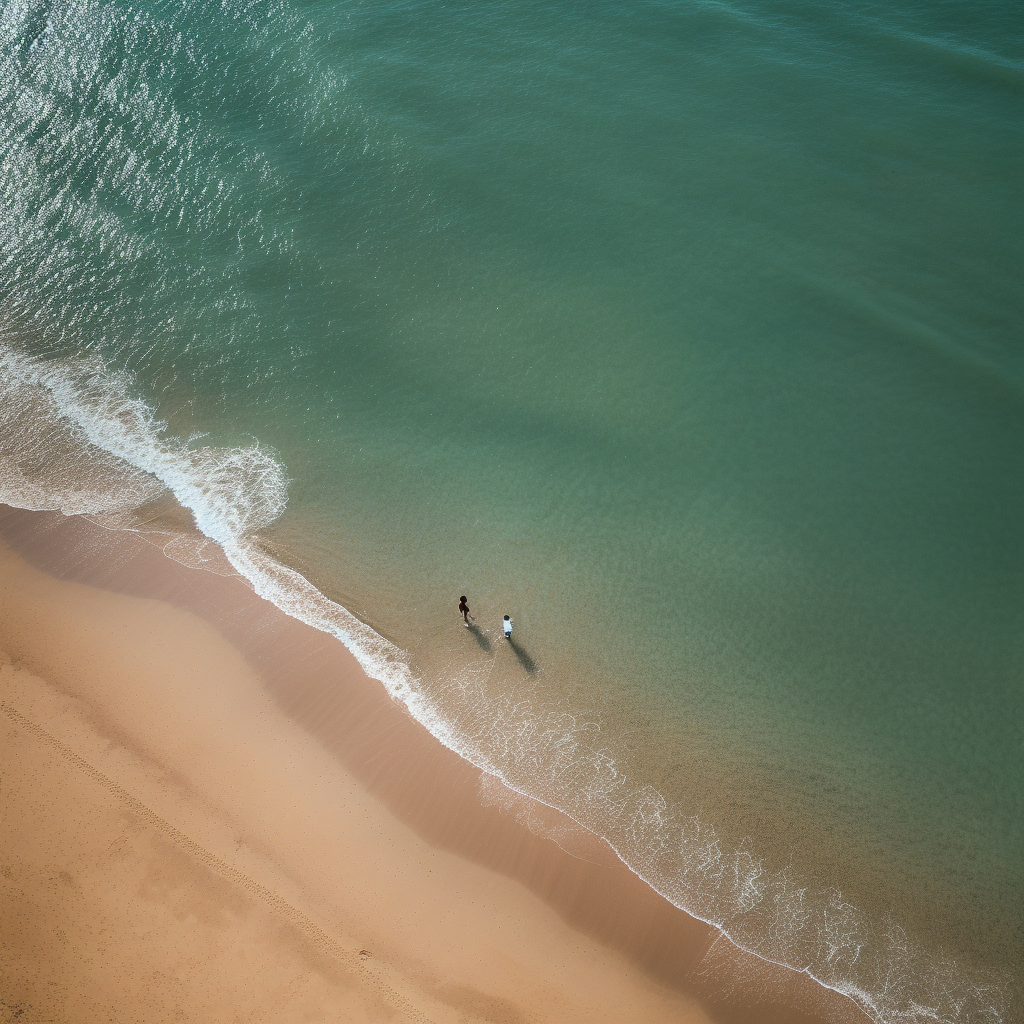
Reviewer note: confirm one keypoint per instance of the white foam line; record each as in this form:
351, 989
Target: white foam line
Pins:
234, 492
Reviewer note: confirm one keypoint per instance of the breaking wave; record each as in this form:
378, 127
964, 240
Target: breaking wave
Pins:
73, 438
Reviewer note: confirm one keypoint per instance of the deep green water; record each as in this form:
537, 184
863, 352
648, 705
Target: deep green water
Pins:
687, 333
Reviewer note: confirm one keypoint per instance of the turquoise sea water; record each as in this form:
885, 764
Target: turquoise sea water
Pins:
689, 334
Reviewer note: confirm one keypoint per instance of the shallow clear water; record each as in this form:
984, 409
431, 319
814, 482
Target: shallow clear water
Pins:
687, 333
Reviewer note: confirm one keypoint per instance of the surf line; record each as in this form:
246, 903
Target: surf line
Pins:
231, 493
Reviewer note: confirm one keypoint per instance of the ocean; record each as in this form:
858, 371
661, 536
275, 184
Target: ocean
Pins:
686, 333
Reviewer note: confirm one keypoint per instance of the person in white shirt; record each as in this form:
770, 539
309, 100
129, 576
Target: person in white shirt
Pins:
506, 624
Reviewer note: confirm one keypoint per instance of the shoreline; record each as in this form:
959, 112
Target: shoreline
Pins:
316, 687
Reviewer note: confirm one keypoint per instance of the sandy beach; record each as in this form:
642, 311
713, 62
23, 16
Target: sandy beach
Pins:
210, 813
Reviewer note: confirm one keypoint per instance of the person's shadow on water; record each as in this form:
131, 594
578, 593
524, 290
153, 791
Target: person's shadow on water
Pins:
524, 659
481, 639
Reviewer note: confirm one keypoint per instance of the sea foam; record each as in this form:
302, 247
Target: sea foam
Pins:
73, 437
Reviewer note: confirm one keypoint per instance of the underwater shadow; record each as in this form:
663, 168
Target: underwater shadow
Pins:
481, 639
524, 659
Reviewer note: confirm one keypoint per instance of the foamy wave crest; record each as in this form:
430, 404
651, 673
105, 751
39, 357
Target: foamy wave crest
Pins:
554, 756
46, 460
120, 455
547, 754
74, 438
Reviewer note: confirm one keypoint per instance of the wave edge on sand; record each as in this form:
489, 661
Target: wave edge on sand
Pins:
93, 421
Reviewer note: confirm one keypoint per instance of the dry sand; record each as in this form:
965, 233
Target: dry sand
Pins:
208, 813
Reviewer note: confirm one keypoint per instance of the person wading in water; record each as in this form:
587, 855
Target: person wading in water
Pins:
464, 608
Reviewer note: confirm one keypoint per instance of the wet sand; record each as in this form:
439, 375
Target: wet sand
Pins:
209, 812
